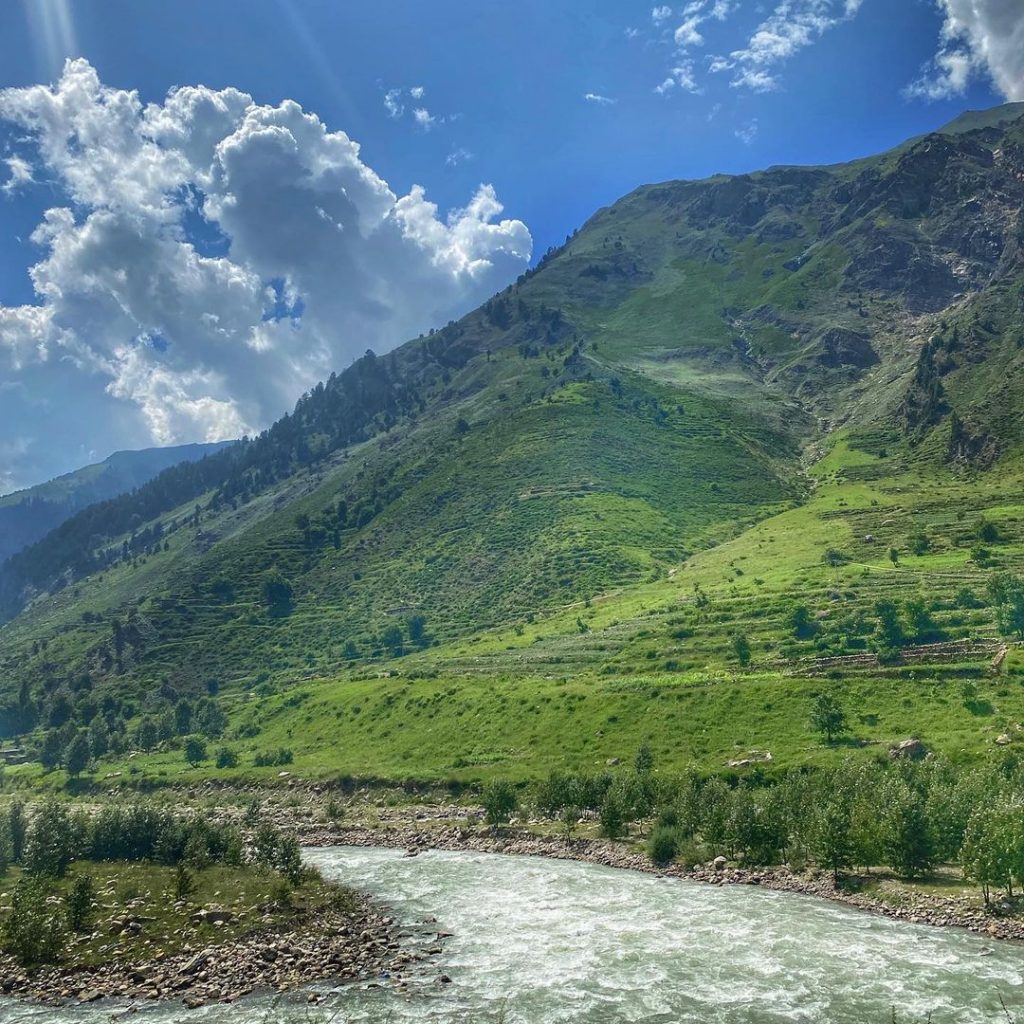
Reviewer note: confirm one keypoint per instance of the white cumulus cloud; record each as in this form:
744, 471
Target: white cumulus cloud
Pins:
213, 259
978, 37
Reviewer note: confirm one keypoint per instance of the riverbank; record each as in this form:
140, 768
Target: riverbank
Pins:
363, 945
919, 907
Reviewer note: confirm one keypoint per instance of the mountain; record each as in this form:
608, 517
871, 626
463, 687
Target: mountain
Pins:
540, 533
29, 514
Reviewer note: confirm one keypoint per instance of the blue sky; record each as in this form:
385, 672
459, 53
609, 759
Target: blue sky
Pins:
188, 292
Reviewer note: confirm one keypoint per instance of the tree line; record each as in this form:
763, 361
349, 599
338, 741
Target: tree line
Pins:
904, 815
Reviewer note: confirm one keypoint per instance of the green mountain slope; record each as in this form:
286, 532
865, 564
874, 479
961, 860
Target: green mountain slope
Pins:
29, 514
685, 422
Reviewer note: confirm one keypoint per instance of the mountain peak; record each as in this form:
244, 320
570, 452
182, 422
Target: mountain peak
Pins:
993, 117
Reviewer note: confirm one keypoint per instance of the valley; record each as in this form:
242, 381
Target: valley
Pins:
703, 540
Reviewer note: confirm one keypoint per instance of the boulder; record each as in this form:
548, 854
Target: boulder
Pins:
911, 749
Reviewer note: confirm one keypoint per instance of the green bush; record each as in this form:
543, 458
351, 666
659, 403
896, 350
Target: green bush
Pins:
835, 558
500, 802
277, 591
273, 758
662, 845
226, 758
49, 848
32, 933
612, 816
184, 882
78, 906
919, 544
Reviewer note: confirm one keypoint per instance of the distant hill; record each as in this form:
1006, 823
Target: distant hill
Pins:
30, 514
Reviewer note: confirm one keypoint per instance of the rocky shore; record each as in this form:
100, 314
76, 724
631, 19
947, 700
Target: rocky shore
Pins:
916, 908
363, 947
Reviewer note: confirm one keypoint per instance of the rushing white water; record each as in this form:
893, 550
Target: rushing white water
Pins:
540, 942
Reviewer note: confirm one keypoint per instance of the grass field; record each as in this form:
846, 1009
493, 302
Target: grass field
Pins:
653, 663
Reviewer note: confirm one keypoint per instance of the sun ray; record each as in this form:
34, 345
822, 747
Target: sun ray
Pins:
52, 27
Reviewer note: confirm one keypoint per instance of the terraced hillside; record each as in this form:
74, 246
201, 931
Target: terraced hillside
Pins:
774, 412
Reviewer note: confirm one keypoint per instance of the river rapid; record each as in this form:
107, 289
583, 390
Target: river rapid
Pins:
536, 941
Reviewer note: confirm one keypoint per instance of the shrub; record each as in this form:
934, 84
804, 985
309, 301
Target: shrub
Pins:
197, 851
981, 556
643, 761
184, 882
889, 635
289, 859
669, 817
17, 828
741, 649
612, 816
32, 933
801, 622
49, 847
277, 591
226, 758
919, 544
570, 819
78, 905
662, 845
500, 802
273, 758
988, 532
966, 598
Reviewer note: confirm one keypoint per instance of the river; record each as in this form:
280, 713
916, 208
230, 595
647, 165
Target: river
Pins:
539, 942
